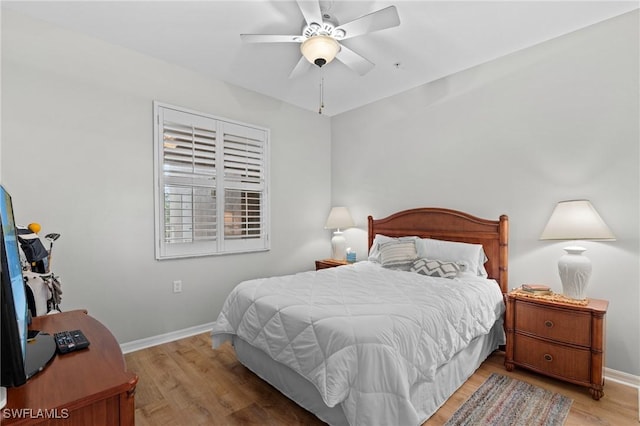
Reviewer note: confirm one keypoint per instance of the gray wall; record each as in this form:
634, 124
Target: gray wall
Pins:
516, 135
77, 156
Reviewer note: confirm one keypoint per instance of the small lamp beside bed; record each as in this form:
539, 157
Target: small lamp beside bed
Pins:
575, 220
339, 218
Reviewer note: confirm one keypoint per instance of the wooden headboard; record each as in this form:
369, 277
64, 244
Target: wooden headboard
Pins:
452, 225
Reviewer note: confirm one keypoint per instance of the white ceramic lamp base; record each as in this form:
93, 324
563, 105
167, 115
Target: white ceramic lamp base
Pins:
339, 246
575, 271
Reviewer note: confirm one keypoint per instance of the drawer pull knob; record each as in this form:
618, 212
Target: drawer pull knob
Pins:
548, 357
548, 323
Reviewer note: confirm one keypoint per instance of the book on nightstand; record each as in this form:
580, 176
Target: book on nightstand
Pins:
539, 289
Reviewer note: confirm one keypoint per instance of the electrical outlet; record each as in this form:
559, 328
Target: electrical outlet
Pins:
177, 286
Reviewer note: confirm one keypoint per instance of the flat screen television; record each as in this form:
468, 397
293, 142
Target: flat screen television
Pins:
20, 357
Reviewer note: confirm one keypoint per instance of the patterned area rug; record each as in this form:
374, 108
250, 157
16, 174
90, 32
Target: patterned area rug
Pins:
503, 401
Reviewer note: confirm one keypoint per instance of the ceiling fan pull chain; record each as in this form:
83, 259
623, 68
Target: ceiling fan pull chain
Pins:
321, 95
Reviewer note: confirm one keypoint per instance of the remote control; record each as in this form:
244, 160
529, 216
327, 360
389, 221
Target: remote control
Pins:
68, 341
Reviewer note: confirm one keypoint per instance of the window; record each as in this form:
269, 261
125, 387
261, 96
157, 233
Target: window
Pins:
211, 184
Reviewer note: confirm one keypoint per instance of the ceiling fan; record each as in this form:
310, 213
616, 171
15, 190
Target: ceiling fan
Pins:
321, 35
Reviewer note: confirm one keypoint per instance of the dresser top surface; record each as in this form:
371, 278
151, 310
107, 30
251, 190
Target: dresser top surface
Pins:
595, 305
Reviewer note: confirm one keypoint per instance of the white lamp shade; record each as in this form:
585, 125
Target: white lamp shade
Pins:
320, 47
339, 218
576, 220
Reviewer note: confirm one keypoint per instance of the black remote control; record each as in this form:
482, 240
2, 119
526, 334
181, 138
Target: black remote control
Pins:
68, 341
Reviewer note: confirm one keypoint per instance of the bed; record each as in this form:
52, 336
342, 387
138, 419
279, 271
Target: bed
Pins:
373, 342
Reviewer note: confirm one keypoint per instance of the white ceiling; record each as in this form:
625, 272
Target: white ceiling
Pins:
434, 39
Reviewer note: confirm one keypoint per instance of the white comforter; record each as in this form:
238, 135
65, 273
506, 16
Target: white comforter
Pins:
362, 334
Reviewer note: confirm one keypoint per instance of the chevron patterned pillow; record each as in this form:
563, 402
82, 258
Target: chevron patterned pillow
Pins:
435, 268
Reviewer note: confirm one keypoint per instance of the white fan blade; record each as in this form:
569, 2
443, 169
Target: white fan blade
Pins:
311, 11
269, 38
354, 61
375, 21
301, 67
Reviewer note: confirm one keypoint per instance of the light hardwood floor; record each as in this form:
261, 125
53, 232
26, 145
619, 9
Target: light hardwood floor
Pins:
188, 383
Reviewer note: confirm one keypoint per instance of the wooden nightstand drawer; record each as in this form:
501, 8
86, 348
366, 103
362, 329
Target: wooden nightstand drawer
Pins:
560, 325
553, 359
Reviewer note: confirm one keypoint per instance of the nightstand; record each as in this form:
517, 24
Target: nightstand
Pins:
561, 340
329, 263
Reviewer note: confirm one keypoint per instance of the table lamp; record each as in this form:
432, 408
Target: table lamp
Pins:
339, 218
575, 220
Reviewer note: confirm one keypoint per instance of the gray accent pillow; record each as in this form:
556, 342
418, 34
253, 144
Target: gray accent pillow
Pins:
374, 253
435, 268
398, 254
471, 255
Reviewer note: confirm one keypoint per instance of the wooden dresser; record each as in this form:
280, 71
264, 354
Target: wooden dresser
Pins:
85, 387
561, 340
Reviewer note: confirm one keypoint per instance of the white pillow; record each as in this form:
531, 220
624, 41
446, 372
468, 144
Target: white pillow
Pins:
374, 252
470, 256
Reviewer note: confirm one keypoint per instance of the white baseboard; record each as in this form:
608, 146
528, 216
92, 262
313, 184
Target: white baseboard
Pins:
622, 377
147, 342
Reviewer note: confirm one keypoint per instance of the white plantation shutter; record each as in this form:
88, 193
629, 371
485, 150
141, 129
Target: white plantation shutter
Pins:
189, 149
243, 156
244, 184
211, 184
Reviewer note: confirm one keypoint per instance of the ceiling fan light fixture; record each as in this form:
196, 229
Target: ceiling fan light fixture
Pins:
320, 49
